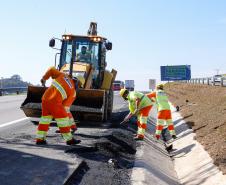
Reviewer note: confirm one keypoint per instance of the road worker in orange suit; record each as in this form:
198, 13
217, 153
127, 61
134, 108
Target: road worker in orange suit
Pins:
79, 83
139, 105
164, 112
59, 95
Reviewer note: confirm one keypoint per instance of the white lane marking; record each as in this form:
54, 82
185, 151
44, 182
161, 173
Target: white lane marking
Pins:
12, 122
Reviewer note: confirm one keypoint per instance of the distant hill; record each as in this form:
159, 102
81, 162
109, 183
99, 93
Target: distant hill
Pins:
14, 81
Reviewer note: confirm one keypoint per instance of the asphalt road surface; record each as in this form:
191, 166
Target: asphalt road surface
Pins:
99, 146
10, 108
105, 156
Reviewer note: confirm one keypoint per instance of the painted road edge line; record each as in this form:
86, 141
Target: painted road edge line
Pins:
12, 122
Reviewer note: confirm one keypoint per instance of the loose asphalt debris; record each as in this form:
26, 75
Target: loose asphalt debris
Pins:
107, 160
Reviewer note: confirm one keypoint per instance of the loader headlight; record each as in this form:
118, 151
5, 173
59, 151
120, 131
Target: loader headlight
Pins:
96, 39
66, 37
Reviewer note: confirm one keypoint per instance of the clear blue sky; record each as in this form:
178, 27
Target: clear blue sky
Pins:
145, 34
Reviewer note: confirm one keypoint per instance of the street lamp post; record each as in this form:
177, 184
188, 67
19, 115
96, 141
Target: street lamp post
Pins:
1, 82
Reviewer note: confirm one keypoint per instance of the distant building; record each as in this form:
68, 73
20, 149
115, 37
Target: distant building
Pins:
16, 77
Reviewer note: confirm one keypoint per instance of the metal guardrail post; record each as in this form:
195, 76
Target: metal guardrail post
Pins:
222, 81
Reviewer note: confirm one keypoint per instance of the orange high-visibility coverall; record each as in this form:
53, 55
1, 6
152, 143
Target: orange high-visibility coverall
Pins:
71, 119
164, 112
59, 95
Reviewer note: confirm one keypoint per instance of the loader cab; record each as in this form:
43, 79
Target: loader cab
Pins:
85, 49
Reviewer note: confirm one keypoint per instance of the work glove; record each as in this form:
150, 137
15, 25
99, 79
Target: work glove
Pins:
43, 82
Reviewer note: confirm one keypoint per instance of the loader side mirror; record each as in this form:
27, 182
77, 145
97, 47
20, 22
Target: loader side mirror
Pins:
52, 43
108, 46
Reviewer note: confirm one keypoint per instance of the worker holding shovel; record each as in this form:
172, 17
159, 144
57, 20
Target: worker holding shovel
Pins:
140, 106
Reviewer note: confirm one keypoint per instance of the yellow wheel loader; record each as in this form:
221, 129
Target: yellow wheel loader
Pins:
81, 56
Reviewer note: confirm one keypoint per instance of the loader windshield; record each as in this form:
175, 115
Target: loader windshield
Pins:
87, 52
83, 51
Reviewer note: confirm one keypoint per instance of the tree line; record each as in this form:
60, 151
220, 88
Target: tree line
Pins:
13, 81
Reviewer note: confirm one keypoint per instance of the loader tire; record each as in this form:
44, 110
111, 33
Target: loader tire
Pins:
110, 103
105, 118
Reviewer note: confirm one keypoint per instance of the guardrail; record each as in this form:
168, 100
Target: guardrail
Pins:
10, 90
207, 81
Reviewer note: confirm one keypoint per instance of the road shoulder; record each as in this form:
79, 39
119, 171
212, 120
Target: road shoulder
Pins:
192, 163
153, 165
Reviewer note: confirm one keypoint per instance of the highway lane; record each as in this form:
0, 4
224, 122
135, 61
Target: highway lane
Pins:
22, 156
17, 144
10, 108
119, 103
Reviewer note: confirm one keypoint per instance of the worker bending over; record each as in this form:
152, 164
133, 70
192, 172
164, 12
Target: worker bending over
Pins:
79, 83
59, 95
139, 105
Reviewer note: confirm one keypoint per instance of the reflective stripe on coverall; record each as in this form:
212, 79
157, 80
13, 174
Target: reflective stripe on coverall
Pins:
71, 119
61, 93
144, 108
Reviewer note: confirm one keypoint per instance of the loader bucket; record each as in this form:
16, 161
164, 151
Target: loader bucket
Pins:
89, 104
32, 104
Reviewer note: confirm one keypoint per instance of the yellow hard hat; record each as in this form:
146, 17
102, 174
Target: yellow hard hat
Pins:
122, 92
160, 86
81, 80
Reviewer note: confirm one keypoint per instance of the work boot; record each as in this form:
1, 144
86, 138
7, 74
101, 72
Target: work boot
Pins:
139, 138
174, 136
41, 142
73, 142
